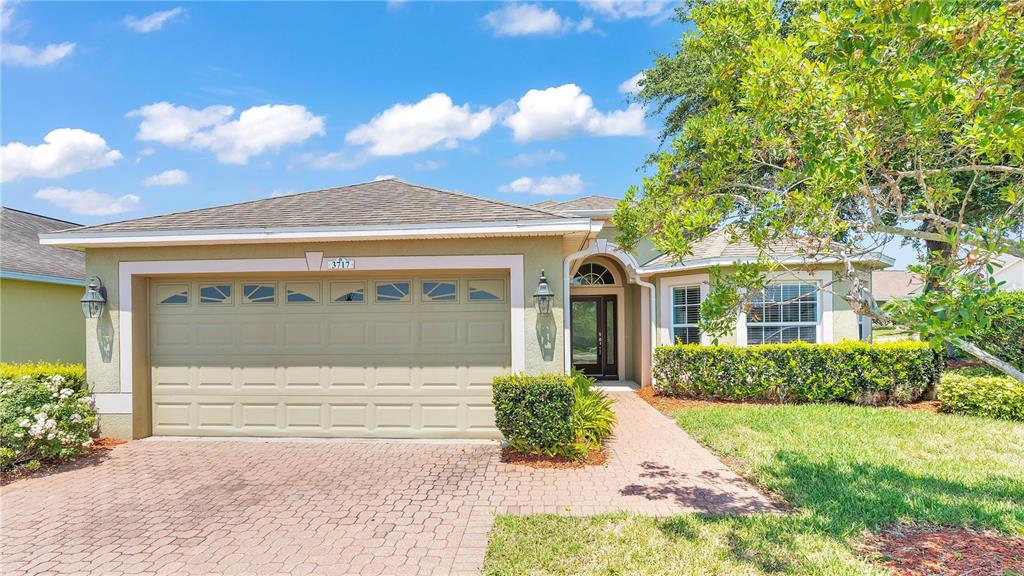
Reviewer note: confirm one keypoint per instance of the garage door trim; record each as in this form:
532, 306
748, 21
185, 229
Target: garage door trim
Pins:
312, 262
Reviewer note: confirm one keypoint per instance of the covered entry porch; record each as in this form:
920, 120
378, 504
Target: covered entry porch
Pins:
607, 316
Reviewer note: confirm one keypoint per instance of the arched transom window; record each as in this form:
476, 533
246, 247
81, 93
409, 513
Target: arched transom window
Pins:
593, 274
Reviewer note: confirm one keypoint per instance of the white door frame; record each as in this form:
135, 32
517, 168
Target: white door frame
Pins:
121, 403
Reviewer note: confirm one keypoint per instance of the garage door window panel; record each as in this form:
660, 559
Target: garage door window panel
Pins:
486, 290
392, 292
263, 293
440, 291
215, 293
303, 292
172, 294
348, 292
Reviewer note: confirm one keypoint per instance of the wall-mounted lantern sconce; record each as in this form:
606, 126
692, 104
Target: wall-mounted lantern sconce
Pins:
95, 298
543, 296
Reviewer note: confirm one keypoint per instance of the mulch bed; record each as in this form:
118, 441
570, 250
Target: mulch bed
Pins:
510, 456
922, 406
96, 453
669, 404
931, 551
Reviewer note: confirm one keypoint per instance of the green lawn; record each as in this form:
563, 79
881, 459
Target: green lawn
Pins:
845, 469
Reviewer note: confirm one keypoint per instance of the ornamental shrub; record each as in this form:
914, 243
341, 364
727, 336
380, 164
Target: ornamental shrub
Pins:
73, 374
981, 393
534, 413
45, 417
868, 374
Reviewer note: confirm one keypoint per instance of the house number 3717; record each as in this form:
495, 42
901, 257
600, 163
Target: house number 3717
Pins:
341, 264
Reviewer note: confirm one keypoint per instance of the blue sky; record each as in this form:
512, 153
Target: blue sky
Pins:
121, 110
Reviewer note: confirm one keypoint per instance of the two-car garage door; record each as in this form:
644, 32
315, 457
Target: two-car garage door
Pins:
397, 356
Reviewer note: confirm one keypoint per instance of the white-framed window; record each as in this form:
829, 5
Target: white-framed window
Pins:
685, 314
786, 312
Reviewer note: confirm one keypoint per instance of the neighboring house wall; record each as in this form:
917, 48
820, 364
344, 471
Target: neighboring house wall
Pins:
41, 322
1012, 274
102, 338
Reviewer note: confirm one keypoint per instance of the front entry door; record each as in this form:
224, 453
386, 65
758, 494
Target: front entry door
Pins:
593, 332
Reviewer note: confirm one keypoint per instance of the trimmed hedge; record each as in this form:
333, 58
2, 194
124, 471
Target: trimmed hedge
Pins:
73, 375
868, 374
981, 393
1004, 337
534, 413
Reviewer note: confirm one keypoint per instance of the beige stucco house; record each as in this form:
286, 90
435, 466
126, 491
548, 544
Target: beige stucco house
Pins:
385, 309
40, 317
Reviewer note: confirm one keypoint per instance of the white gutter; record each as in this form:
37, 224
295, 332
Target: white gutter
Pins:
87, 239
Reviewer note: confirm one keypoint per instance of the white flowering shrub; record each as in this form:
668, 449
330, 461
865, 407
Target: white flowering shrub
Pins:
43, 418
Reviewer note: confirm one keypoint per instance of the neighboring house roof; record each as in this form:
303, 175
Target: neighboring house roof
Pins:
890, 284
716, 248
594, 202
383, 209
23, 257
545, 204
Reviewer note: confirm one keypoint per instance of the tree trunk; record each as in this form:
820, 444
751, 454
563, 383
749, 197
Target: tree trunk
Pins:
991, 360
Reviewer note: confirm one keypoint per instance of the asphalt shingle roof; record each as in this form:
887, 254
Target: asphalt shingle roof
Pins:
717, 245
20, 250
383, 203
594, 202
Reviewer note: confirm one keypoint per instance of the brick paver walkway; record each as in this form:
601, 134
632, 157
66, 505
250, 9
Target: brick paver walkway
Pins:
336, 507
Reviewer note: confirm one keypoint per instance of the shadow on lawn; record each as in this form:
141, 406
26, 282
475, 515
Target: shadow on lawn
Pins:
837, 500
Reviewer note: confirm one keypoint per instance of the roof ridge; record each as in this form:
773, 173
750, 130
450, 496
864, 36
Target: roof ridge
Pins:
40, 215
217, 206
484, 198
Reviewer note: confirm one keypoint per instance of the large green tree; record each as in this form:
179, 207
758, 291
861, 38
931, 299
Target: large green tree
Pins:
841, 125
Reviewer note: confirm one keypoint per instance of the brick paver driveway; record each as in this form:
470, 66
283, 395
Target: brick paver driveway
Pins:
336, 507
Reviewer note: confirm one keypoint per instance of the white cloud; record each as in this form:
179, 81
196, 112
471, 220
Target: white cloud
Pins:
167, 178
524, 19
527, 159
342, 160
431, 122
257, 130
631, 85
18, 55
6, 12
153, 22
428, 165
384, 177
88, 202
624, 9
64, 151
560, 111
26, 56
531, 19
564, 185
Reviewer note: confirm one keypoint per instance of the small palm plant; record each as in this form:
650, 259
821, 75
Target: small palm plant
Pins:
592, 417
